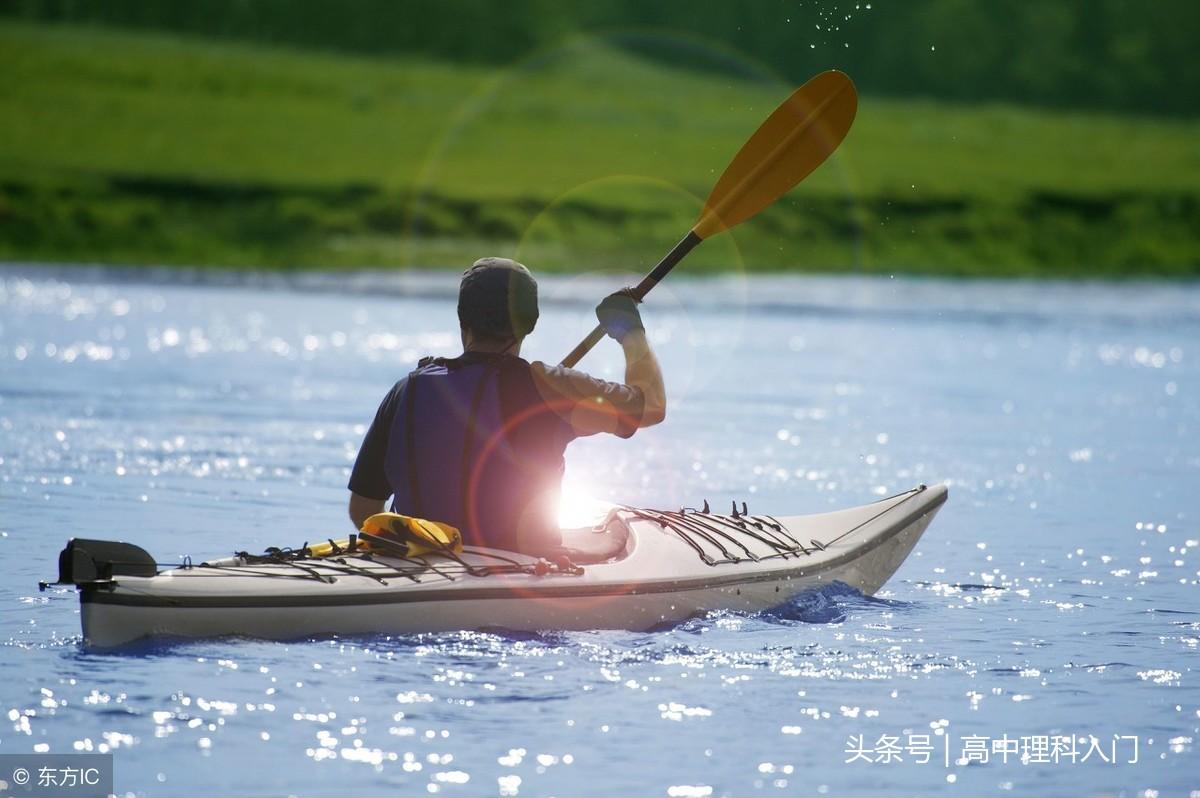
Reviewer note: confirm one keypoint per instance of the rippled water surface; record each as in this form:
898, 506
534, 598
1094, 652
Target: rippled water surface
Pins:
1056, 594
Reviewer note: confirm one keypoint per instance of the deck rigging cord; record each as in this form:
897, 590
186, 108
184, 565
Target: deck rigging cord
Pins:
720, 533
324, 569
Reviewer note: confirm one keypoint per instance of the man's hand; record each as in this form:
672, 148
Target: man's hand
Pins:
618, 315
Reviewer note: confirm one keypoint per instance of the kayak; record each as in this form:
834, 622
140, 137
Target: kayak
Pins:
637, 570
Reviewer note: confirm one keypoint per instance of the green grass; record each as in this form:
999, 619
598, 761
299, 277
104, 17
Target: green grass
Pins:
155, 149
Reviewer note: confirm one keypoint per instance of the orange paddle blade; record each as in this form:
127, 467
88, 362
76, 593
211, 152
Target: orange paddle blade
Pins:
795, 139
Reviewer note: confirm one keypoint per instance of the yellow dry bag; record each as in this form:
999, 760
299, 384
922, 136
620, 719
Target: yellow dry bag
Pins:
397, 534
417, 535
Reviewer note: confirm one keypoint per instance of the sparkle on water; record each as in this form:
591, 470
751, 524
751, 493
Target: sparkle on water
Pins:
1055, 593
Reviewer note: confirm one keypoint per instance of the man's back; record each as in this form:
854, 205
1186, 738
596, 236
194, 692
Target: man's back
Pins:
478, 441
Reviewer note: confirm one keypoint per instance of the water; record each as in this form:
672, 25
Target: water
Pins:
1056, 593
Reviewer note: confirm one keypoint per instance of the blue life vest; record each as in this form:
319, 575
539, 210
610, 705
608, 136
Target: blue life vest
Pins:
474, 445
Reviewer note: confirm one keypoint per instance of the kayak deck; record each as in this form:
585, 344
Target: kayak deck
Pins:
659, 567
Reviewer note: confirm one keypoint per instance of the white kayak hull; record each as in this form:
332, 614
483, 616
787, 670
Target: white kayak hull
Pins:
657, 579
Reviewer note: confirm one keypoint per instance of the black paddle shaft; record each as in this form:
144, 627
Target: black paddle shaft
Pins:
669, 261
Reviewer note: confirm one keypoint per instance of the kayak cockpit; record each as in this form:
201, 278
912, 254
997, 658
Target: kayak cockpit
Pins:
602, 543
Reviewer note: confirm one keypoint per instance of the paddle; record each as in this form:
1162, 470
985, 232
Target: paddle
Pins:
795, 139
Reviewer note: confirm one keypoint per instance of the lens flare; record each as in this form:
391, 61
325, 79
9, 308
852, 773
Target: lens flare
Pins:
577, 509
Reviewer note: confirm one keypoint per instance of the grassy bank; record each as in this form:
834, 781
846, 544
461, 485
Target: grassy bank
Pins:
151, 149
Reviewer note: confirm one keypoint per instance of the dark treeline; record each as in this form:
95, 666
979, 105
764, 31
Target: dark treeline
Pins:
1096, 54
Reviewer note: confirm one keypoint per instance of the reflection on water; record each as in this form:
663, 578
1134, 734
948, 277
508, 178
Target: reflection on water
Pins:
1057, 589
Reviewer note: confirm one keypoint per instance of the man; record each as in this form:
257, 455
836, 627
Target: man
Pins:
477, 441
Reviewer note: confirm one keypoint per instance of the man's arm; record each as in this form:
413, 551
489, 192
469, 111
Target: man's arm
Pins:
594, 406
618, 315
363, 507
368, 479
642, 372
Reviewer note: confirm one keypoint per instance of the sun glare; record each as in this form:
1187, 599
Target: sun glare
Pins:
578, 509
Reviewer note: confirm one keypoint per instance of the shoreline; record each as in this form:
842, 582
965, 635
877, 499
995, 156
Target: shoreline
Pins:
230, 226
986, 300
361, 279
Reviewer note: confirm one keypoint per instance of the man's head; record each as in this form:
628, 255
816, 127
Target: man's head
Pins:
497, 301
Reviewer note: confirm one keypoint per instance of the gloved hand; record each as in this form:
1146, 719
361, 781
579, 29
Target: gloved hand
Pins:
618, 314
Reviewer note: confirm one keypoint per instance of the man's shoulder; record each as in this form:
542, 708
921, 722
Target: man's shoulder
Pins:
579, 384
589, 404
392, 397
555, 374
558, 370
